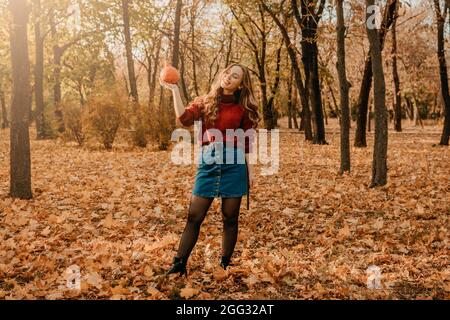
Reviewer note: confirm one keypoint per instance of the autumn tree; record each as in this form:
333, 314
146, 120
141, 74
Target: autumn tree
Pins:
128, 50
379, 164
344, 88
41, 31
291, 100
274, 13
366, 82
441, 17
150, 38
308, 18
4, 67
395, 75
4, 113
39, 70
20, 159
193, 13
63, 37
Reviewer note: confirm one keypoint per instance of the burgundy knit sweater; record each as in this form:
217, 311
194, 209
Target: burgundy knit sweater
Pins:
231, 115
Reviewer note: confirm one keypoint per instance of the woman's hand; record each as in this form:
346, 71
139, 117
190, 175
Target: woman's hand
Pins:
167, 85
177, 102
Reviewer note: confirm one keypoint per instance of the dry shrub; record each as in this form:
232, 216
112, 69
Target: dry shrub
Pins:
49, 123
138, 122
74, 122
105, 115
161, 125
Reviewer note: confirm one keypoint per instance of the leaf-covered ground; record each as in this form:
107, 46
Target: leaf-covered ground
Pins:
309, 234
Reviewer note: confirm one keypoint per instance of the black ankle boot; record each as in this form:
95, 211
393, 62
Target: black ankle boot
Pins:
179, 265
225, 262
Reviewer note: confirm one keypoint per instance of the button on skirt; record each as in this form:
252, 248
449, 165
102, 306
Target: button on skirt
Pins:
221, 172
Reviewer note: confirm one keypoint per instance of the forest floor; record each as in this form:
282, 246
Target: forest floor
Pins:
309, 234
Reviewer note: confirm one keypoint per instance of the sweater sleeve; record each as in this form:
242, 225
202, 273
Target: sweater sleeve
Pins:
247, 124
191, 114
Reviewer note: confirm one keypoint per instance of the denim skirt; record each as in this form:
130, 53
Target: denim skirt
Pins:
221, 172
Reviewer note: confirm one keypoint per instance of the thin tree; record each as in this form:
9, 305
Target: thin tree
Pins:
398, 94
183, 81
308, 18
295, 65
58, 54
20, 159
379, 164
344, 87
441, 17
5, 122
290, 114
176, 37
128, 49
39, 71
193, 15
366, 82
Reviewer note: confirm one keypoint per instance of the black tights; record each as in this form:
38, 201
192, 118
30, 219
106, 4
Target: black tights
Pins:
197, 212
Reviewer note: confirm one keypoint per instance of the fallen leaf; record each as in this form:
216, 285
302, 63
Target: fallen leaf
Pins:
220, 274
94, 279
344, 232
251, 280
119, 290
188, 292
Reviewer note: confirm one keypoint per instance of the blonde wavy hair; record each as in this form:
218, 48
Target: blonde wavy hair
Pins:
244, 96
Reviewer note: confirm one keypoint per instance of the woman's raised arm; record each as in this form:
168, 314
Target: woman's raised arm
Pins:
177, 102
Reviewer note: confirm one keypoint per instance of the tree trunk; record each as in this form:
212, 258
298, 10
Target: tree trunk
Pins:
344, 88
409, 108
57, 95
335, 107
289, 90
294, 107
149, 78
20, 159
316, 97
128, 49
366, 83
194, 62
306, 116
274, 89
176, 40
267, 105
418, 118
5, 122
186, 94
363, 103
308, 23
39, 74
398, 96
441, 17
379, 165
152, 83
57, 54
230, 47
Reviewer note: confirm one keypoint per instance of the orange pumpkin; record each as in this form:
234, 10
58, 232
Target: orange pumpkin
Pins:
169, 74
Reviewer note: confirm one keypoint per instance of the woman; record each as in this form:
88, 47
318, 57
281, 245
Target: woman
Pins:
229, 105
